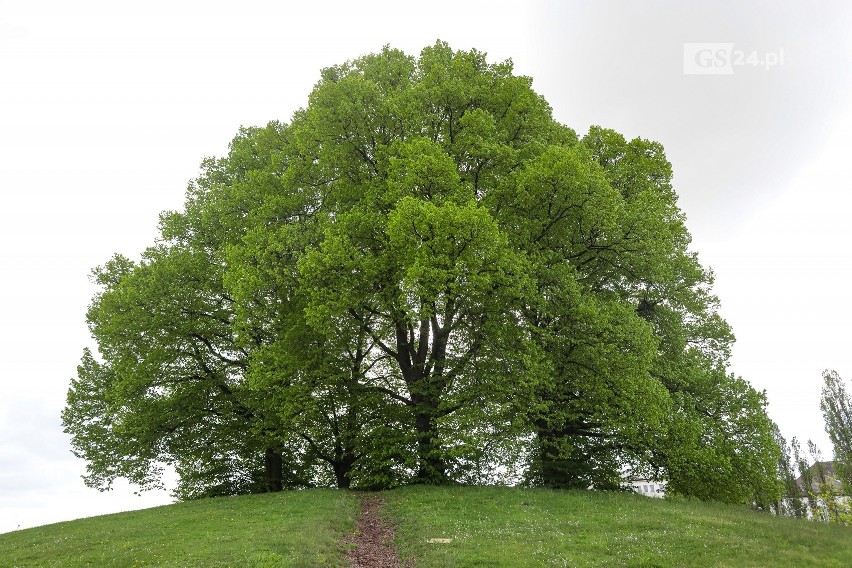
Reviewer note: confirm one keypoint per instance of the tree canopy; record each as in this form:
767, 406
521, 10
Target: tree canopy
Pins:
421, 278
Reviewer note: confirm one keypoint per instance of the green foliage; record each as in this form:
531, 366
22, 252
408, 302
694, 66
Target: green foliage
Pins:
792, 501
732, 460
421, 278
836, 406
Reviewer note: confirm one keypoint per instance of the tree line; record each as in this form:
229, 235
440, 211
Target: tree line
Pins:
813, 487
423, 277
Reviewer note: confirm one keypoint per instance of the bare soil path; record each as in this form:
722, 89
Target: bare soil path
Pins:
373, 538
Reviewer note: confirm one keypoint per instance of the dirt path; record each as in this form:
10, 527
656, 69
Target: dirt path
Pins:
373, 538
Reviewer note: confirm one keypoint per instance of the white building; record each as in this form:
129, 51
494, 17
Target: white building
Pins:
647, 487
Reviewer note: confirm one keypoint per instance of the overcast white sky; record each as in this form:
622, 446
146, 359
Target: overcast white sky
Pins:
107, 108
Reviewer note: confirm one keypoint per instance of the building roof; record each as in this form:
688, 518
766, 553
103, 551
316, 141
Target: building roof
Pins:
822, 472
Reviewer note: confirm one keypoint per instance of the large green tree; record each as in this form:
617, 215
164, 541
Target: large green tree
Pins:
423, 277
169, 388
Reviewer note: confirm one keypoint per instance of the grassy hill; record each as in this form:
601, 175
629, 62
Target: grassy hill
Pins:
300, 529
488, 527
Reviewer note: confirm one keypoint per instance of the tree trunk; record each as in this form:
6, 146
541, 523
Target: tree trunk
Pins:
344, 459
425, 389
551, 467
342, 470
273, 470
432, 468
561, 465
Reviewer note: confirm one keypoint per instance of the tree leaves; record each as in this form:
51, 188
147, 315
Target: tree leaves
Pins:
421, 278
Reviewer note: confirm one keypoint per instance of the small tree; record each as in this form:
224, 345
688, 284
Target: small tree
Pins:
836, 406
792, 502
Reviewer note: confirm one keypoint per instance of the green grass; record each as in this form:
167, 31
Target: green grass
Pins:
299, 528
493, 527
514, 527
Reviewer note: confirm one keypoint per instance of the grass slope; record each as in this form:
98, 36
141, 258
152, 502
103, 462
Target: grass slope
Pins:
507, 528
298, 528
489, 526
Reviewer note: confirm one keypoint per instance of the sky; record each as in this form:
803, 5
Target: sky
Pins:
108, 108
